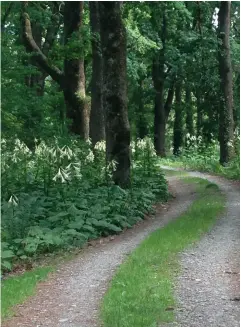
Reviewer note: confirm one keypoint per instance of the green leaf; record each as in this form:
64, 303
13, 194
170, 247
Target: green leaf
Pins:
107, 225
76, 224
7, 254
7, 265
58, 217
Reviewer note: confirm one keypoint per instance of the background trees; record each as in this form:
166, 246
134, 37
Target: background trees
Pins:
58, 62
143, 80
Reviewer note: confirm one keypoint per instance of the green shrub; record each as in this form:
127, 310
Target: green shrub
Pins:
61, 194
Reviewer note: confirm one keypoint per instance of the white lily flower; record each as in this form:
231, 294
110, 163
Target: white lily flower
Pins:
100, 146
90, 157
13, 200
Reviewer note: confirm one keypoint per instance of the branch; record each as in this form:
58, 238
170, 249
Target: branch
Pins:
30, 44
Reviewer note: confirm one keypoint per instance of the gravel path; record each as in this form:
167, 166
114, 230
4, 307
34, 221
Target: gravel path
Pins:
207, 291
71, 297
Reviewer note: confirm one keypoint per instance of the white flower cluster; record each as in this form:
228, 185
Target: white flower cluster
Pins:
62, 175
109, 169
146, 144
21, 147
74, 169
100, 146
90, 157
193, 140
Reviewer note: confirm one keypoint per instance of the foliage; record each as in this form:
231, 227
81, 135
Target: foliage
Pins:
57, 191
61, 194
141, 292
197, 155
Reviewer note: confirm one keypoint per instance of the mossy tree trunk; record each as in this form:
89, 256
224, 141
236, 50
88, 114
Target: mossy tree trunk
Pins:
226, 124
113, 42
97, 122
74, 92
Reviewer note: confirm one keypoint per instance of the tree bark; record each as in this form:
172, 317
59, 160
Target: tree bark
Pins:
97, 122
113, 42
74, 90
141, 123
158, 77
226, 124
72, 80
199, 122
169, 100
189, 112
177, 130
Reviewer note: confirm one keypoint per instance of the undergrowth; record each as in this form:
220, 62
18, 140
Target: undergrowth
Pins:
197, 155
60, 194
141, 293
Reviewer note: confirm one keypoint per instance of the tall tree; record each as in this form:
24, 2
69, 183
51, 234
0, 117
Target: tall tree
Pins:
158, 76
97, 123
178, 123
225, 69
74, 73
141, 122
113, 42
189, 111
72, 79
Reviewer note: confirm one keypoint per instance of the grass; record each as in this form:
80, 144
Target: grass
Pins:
177, 173
231, 171
17, 289
141, 293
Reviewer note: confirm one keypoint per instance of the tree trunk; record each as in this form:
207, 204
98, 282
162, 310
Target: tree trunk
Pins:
169, 100
72, 80
113, 42
199, 114
177, 131
97, 122
159, 124
226, 123
142, 126
158, 77
74, 91
189, 112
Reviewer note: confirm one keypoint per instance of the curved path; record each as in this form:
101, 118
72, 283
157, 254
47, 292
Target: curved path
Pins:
207, 290
71, 296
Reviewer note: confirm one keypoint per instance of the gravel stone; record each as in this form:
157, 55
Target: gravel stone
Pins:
79, 285
205, 290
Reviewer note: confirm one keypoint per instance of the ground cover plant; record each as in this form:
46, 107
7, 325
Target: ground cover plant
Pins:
141, 292
61, 194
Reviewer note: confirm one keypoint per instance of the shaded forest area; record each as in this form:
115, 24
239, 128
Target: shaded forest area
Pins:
95, 95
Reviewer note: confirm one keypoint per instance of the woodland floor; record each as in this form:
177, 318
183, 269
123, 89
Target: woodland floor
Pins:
206, 290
